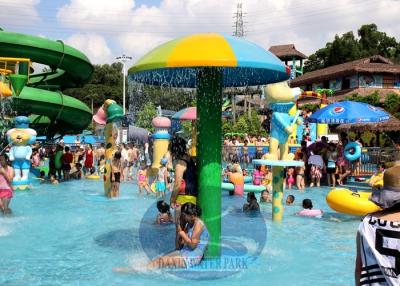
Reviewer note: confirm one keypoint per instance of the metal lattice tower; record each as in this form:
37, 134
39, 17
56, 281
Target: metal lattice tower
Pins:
239, 28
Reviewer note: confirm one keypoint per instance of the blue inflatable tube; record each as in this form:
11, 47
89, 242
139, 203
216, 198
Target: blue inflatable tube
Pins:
248, 179
352, 151
247, 187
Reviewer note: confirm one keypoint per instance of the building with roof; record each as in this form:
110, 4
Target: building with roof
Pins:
362, 77
291, 56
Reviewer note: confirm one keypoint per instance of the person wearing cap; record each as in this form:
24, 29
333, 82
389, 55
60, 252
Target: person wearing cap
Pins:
162, 179
378, 237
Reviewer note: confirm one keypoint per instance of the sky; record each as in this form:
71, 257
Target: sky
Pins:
106, 29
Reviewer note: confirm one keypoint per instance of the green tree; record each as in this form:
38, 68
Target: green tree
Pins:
106, 83
347, 47
146, 115
373, 42
253, 123
227, 126
373, 98
392, 104
241, 124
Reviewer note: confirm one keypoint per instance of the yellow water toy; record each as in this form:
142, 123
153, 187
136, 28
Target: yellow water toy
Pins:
109, 114
93, 177
161, 139
352, 203
376, 181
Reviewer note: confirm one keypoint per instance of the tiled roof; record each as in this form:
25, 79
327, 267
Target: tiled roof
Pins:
371, 64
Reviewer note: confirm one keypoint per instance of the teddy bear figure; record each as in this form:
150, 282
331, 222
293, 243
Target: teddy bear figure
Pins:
280, 99
20, 138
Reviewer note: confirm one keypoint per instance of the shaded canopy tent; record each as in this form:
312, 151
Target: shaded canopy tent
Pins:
210, 62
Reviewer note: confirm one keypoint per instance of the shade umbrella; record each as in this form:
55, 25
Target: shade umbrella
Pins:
189, 113
209, 62
348, 112
393, 124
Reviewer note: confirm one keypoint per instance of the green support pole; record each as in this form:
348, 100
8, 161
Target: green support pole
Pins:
209, 102
277, 193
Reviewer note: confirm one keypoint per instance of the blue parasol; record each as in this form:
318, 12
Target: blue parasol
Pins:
348, 112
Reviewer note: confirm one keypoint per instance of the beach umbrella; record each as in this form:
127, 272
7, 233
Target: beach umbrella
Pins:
210, 62
189, 113
348, 112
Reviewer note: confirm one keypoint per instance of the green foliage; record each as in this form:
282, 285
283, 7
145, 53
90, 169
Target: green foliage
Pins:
373, 98
347, 47
310, 106
227, 126
244, 124
241, 124
392, 104
167, 98
146, 115
106, 83
187, 129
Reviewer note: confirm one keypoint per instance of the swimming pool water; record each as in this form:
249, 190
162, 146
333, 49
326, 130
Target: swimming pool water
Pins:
68, 234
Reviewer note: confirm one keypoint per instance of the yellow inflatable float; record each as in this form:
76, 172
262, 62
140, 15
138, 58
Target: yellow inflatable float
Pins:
352, 203
376, 181
93, 177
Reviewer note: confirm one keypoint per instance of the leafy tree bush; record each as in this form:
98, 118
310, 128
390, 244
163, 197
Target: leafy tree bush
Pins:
146, 115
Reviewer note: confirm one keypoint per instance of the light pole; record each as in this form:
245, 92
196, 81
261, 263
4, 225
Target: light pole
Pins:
123, 59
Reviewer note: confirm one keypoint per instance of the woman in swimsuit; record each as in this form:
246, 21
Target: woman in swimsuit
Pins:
195, 238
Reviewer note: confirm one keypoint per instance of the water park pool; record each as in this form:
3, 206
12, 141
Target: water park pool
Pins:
69, 234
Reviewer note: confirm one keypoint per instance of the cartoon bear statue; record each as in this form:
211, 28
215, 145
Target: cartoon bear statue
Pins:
20, 139
280, 99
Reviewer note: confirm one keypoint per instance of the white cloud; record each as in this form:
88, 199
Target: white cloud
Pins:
93, 46
18, 13
134, 30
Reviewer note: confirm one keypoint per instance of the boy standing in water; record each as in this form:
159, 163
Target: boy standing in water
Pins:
162, 179
116, 170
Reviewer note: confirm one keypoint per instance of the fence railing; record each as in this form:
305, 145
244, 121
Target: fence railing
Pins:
370, 159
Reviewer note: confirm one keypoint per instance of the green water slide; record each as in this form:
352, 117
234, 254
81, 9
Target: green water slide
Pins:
52, 112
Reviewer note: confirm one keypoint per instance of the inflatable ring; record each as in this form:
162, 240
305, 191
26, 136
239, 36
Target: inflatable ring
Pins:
352, 203
247, 188
352, 151
93, 177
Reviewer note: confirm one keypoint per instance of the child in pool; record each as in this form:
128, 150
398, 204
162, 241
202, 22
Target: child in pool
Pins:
257, 175
42, 177
162, 179
308, 210
164, 215
116, 171
289, 200
53, 180
143, 179
266, 196
290, 177
252, 204
101, 165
